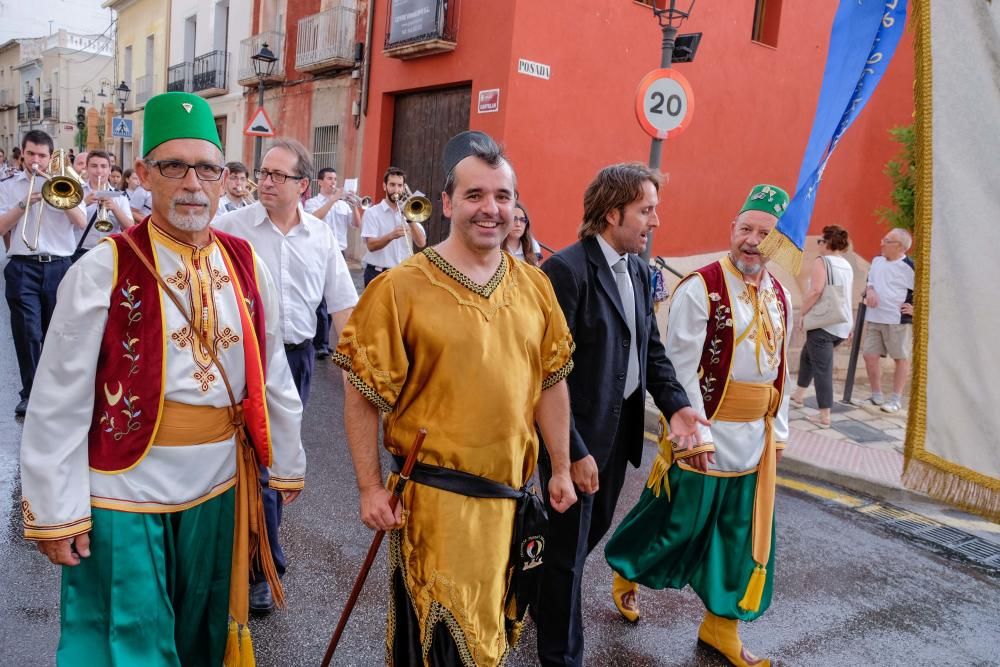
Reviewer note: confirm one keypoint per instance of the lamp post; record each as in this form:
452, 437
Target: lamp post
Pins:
122, 92
29, 107
263, 67
670, 19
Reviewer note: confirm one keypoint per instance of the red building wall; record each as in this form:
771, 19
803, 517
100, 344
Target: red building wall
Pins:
754, 110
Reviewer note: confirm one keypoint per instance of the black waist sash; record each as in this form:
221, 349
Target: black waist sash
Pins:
530, 523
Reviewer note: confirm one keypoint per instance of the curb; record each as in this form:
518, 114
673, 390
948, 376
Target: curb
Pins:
851, 481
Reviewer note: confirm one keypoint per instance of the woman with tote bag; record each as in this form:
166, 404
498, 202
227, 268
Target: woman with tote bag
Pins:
827, 319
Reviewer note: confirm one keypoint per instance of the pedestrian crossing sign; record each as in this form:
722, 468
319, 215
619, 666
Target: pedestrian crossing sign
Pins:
121, 128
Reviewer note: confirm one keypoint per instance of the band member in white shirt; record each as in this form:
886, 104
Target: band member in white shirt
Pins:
41, 244
386, 233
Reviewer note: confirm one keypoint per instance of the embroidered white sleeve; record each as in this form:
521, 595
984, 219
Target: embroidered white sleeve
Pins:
55, 475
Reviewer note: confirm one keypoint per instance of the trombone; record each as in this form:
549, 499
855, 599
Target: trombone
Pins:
414, 207
62, 190
249, 193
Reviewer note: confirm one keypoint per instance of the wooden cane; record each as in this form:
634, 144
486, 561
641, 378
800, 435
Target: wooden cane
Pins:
359, 583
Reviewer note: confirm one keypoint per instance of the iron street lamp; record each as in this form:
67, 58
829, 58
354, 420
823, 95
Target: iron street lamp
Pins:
29, 108
263, 67
121, 92
670, 18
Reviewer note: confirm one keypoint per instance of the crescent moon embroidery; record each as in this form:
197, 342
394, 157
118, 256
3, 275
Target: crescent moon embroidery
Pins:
113, 398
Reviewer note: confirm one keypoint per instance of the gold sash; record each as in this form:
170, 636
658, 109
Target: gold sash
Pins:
182, 424
747, 402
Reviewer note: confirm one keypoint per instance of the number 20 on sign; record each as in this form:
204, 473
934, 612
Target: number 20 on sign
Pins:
664, 103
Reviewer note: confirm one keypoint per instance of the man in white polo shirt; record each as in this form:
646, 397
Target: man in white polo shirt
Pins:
888, 318
386, 232
306, 264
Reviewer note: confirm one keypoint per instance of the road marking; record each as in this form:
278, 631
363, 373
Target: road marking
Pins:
822, 492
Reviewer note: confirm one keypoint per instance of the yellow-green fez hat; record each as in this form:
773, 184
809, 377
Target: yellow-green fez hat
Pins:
177, 116
768, 198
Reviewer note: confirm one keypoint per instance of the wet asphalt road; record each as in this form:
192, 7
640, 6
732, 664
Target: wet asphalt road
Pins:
848, 592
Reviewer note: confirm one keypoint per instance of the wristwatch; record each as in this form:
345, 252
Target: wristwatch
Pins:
22, 205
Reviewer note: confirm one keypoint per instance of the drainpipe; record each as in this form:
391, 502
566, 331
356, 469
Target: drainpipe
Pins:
366, 73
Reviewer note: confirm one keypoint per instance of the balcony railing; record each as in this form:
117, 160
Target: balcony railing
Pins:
210, 74
427, 27
179, 78
326, 40
50, 109
143, 89
22, 112
250, 47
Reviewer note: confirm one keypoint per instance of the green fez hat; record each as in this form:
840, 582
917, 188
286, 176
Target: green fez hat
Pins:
177, 116
768, 198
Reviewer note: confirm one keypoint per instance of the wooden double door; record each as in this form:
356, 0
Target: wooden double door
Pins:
424, 122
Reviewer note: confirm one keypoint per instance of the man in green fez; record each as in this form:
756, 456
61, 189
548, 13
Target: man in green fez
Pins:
162, 385
706, 516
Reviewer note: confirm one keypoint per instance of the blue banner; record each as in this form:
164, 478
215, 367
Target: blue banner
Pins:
862, 42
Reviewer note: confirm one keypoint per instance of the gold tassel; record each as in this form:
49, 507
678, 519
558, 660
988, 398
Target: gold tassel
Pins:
658, 477
782, 250
755, 590
246, 649
239, 647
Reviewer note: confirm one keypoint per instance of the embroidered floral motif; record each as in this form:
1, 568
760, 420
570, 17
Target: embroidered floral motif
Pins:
219, 279
29, 516
708, 386
130, 411
198, 281
745, 297
131, 302
715, 350
714, 296
723, 317
179, 280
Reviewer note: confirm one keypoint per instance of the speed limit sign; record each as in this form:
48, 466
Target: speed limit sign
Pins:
664, 103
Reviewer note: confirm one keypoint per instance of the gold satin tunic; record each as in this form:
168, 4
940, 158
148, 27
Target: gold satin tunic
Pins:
431, 349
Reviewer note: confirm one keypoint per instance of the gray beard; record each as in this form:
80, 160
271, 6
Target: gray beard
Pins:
188, 223
749, 270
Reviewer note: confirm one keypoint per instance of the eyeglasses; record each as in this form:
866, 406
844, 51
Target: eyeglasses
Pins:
888, 241
277, 177
520, 218
205, 171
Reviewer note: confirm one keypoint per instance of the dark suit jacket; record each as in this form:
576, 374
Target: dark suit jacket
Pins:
588, 294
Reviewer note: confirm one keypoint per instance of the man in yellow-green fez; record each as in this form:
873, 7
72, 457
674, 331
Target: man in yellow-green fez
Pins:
162, 384
706, 516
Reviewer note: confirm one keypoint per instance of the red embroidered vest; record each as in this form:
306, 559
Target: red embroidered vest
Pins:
717, 353
130, 384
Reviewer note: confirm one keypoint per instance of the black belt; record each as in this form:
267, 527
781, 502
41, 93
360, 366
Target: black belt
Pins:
41, 258
294, 347
527, 547
457, 481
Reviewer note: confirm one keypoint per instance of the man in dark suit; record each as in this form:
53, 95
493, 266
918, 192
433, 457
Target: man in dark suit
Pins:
605, 292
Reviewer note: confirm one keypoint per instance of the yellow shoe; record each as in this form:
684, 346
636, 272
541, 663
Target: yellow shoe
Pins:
722, 635
626, 597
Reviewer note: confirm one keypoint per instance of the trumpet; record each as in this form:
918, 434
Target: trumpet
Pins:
102, 223
364, 203
249, 193
62, 190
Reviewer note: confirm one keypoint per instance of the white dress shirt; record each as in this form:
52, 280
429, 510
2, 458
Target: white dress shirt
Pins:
306, 265
378, 221
56, 236
338, 217
57, 485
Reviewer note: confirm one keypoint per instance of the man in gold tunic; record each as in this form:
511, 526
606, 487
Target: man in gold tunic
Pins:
466, 342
